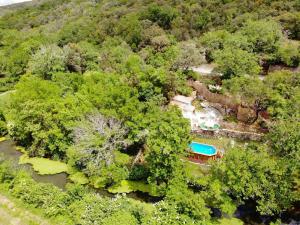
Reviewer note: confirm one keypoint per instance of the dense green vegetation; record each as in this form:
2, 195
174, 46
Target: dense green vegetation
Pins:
90, 83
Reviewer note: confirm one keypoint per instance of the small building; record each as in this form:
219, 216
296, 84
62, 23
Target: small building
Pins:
206, 119
185, 104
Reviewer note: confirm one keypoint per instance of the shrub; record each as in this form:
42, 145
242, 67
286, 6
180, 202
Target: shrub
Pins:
139, 172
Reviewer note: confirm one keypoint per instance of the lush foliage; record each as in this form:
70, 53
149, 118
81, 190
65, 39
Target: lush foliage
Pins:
89, 85
253, 174
79, 205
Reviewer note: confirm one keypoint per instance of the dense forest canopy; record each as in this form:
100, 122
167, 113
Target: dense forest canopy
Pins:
88, 83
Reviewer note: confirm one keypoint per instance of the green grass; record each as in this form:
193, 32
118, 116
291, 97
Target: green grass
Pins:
220, 143
122, 158
79, 178
2, 139
194, 170
4, 97
230, 221
98, 182
127, 186
9, 216
44, 166
21, 149
14, 211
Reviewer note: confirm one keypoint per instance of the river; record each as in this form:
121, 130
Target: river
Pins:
8, 151
246, 213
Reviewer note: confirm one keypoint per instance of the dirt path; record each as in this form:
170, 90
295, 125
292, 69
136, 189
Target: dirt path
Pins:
10, 214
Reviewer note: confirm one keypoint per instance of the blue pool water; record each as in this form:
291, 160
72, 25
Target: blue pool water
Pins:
203, 149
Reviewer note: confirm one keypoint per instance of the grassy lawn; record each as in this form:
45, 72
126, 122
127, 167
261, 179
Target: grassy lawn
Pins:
219, 143
197, 170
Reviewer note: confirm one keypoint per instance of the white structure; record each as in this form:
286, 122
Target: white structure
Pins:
206, 69
185, 104
208, 118
10, 2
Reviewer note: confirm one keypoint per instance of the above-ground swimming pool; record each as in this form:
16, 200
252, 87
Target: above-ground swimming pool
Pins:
203, 149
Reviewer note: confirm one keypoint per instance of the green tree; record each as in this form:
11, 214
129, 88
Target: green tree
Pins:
83, 29
189, 55
15, 56
95, 140
214, 40
289, 53
185, 201
202, 19
168, 138
163, 15
107, 93
48, 60
263, 34
81, 57
291, 22
40, 118
283, 94
129, 28
118, 218
284, 139
248, 89
166, 214
252, 174
236, 62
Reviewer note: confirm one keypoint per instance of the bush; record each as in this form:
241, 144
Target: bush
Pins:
39, 195
289, 53
139, 172
163, 15
236, 62
3, 128
48, 60
6, 172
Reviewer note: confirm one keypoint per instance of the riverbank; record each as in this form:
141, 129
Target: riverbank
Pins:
8, 148
12, 212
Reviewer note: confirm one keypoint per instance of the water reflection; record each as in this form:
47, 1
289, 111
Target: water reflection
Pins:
8, 152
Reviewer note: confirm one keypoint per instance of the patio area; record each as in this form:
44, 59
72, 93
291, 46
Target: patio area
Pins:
205, 118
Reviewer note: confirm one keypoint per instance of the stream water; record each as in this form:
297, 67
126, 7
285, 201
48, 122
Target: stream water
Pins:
246, 213
8, 151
